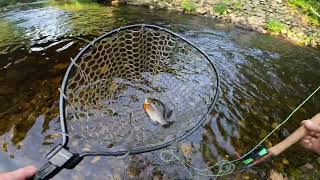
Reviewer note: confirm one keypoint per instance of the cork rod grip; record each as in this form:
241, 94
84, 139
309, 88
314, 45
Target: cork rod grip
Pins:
293, 138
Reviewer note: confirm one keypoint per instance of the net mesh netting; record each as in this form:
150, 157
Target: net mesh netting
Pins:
110, 81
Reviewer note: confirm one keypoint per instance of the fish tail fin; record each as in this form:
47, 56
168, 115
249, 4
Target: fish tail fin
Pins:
167, 125
168, 114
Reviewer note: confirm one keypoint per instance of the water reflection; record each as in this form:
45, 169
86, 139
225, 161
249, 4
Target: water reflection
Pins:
263, 79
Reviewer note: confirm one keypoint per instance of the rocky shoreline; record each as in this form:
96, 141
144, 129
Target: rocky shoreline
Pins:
276, 17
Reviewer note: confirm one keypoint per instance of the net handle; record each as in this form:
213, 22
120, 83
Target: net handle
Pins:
58, 158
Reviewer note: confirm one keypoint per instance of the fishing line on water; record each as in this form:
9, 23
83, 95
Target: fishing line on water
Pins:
226, 167
8, 110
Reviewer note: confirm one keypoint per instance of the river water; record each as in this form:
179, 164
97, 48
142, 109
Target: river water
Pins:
263, 78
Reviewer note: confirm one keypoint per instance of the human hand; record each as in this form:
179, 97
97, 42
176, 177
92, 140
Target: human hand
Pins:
19, 174
312, 140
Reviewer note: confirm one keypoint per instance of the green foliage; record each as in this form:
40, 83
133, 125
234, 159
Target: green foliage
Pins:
275, 25
238, 6
188, 6
304, 4
220, 8
74, 5
310, 7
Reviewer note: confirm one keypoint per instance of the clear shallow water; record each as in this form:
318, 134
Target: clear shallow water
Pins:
263, 79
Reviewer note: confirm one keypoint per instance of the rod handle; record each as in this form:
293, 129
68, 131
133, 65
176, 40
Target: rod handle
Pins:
293, 138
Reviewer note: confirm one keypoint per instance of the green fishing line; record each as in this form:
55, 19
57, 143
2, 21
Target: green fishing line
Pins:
226, 167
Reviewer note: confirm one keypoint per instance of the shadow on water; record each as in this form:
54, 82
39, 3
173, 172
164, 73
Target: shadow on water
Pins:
263, 79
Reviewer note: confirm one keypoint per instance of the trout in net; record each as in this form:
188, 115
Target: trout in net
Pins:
157, 111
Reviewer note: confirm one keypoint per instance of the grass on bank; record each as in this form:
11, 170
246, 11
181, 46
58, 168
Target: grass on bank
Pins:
274, 25
188, 6
220, 8
311, 8
238, 5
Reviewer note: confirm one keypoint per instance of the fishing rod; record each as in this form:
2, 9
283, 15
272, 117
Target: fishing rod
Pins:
260, 154
257, 155
264, 155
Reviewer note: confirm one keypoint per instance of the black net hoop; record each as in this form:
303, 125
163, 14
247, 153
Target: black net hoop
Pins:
105, 85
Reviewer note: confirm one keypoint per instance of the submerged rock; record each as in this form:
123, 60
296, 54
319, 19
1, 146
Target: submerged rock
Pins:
133, 170
285, 162
307, 167
95, 160
274, 175
186, 149
118, 2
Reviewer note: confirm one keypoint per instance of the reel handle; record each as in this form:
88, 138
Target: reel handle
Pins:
293, 138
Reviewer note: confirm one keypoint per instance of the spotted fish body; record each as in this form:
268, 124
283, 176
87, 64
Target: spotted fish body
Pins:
157, 111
